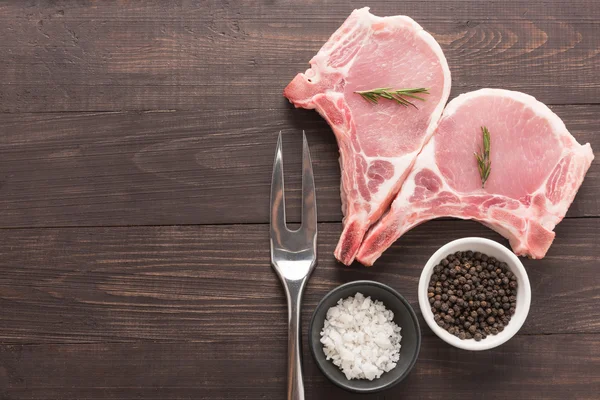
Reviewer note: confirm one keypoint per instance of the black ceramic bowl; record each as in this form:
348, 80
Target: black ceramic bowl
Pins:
404, 317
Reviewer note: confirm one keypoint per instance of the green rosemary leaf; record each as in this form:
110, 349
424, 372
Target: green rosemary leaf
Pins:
398, 95
484, 164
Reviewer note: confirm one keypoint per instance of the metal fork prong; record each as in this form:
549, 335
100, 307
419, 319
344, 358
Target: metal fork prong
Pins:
278, 226
309, 201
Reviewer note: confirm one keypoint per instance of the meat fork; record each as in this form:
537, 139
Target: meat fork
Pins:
293, 257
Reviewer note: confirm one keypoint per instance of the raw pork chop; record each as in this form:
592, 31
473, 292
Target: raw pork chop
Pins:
536, 170
378, 143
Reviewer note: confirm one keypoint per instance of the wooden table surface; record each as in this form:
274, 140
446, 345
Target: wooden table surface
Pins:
136, 145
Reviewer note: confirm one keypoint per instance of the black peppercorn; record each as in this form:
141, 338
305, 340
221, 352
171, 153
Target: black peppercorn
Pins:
472, 295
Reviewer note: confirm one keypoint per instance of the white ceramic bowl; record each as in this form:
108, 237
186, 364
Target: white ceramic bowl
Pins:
492, 249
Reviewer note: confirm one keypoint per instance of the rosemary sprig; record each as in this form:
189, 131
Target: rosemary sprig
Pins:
484, 164
398, 95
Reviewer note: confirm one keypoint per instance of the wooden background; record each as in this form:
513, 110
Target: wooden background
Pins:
136, 145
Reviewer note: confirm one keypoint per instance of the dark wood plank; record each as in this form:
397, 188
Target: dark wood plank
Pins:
83, 169
533, 367
199, 55
198, 283
166, 113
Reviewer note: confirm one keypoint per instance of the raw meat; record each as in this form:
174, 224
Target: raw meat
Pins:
378, 143
536, 170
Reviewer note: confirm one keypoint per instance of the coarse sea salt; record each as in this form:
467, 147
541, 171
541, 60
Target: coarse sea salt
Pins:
360, 337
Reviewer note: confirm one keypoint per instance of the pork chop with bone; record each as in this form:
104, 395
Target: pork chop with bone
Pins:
537, 167
378, 143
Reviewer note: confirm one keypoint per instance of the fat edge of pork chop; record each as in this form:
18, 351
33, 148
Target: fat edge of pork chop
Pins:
537, 168
378, 143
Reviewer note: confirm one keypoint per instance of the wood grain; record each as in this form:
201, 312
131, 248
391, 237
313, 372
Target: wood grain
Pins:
126, 128
91, 169
254, 368
199, 55
198, 283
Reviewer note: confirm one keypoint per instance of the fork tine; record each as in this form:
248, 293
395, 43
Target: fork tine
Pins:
309, 201
278, 226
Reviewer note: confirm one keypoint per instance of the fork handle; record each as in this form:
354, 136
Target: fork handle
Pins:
294, 291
